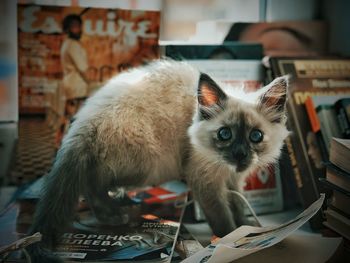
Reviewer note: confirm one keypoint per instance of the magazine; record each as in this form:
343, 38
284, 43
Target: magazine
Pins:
247, 240
283, 38
66, 53
154, 217
148, 237
112, 40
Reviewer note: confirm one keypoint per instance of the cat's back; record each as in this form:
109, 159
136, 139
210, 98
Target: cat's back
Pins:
162, 91
144, 114
163, 83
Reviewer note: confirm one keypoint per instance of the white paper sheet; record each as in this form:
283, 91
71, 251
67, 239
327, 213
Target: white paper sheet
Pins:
246, 240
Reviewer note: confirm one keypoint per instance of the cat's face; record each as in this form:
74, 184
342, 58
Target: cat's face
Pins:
244, 131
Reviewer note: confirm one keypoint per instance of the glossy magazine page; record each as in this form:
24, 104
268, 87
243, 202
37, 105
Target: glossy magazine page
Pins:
146, 228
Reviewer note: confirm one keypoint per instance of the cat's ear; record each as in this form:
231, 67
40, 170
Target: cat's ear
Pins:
273, 99
210, 96
209, 93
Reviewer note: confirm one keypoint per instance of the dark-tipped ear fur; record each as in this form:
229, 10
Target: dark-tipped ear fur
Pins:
210, 96
274, 97
209, 93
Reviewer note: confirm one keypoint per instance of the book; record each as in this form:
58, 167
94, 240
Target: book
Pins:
322, 99
291, 196
322, 116
338, 222
310, 77
318, 148
340, 201
333, 187
323, 72
340, 153
342, 109
154, 213
338, 177
329, 124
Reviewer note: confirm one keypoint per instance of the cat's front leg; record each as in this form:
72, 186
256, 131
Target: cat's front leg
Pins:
237, 209
237, 205
214, 203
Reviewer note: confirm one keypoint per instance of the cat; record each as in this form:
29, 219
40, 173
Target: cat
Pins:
157, 123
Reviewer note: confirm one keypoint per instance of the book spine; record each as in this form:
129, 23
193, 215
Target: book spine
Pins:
311, 112
325, 128
291, 180
344, 122
316, 127
322, 147
305, 181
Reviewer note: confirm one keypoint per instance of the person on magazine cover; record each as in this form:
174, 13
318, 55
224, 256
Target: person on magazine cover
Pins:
282, 38
75, 66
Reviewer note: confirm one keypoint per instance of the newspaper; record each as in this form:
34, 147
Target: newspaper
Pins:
246, 240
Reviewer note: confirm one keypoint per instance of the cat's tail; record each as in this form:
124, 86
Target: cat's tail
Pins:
57, 206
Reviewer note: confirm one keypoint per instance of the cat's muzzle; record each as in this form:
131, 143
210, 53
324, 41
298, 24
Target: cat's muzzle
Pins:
241, 158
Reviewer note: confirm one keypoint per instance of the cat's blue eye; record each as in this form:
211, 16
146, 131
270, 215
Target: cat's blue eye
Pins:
256, 136
224, 134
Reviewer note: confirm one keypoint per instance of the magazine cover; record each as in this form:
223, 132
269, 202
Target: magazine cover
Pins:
149, 236
310, 77
283, 38
150, 232
263, 189
71, 51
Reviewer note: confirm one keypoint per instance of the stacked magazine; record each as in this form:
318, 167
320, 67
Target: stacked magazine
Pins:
155, 214
153, 235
